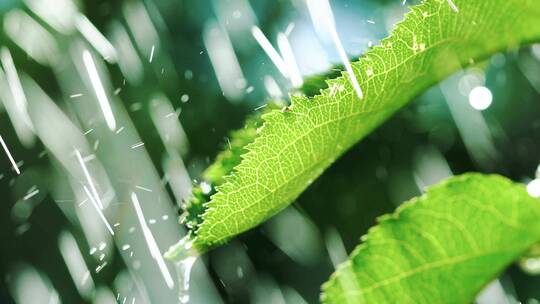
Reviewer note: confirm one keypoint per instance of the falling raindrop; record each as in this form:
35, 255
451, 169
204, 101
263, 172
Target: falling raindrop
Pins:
184, 257
533, 188
184, 272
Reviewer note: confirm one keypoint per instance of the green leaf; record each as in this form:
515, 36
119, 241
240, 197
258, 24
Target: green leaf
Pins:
226, 160
314, 84
296, 145
231, 154
193, 207
442, 247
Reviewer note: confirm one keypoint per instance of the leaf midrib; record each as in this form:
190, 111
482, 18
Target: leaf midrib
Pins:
426, 268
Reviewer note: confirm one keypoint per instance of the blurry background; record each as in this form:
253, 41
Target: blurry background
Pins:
111, 106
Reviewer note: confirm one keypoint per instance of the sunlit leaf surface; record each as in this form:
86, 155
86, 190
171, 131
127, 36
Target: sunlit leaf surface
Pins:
442, 247
297, 144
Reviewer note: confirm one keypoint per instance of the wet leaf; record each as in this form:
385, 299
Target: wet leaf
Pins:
296, 144
442, 247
